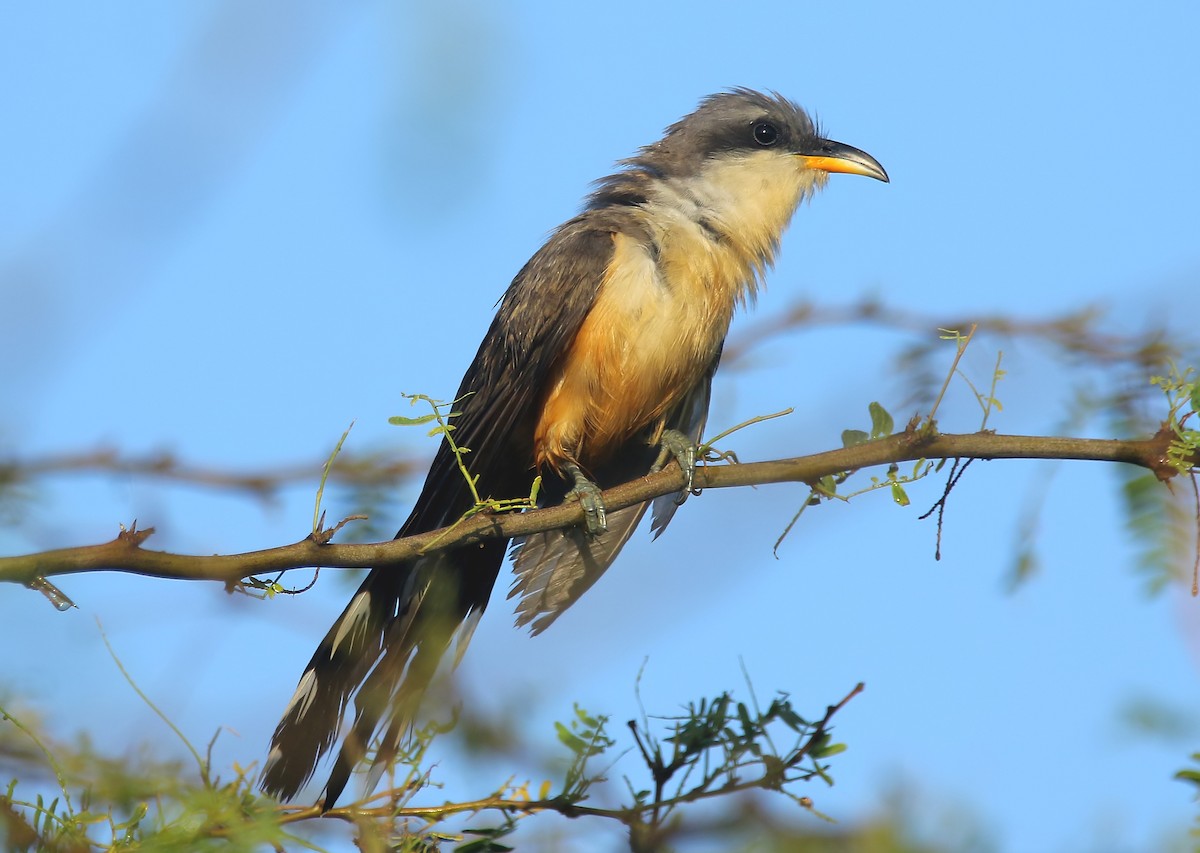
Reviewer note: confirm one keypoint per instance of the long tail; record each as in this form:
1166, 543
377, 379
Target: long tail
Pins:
382, 651
385, 647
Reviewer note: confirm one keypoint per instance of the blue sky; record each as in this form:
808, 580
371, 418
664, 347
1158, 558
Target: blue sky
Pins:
229, 231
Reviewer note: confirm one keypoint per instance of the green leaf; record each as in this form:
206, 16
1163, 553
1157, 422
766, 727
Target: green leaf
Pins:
569, 739
881, 422
482, 845
826, 751
589, 721
1192, 776
790, 718
899, 495
398, 420
744, 717
853, 437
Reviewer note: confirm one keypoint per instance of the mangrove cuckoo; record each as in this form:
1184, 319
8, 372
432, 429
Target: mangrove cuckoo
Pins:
595, 369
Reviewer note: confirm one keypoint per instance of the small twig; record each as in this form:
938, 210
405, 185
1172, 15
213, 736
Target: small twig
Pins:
997, 374
707, 444
59, 776
318, 516
201, 765
961, 347
940, 505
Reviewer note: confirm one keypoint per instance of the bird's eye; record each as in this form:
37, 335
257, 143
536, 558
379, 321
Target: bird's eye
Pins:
765, 133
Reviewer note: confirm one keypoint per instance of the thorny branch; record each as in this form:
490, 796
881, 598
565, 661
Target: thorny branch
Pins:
125, 554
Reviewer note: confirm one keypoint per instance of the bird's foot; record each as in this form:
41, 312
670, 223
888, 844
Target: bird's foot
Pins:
674, 444
588, 494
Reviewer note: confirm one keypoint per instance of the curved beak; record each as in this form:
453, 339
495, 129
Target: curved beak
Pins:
830, 156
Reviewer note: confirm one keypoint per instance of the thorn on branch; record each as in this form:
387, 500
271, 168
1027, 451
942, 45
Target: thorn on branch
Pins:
132, 536
322, 536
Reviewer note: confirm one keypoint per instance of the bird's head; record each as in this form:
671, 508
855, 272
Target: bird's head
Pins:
743, 124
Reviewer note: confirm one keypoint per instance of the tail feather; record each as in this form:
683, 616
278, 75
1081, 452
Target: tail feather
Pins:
392, 692
340, 663
433, 615
382, 651
385, 648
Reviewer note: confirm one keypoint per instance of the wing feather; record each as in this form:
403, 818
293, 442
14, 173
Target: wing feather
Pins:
554, 569
385, 647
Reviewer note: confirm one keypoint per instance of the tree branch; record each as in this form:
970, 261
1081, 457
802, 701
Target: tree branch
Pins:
1077, 333
125, 554
363, 469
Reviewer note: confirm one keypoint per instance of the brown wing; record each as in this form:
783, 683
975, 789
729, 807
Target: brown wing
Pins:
385, 646
537, 319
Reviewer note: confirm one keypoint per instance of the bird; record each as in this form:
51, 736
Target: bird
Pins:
596, 369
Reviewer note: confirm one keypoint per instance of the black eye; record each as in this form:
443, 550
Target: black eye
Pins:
765, 133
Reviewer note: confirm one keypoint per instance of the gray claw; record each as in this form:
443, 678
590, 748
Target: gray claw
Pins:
588, 495
675, 444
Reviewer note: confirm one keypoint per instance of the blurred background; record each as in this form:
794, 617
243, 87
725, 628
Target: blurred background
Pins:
229, 229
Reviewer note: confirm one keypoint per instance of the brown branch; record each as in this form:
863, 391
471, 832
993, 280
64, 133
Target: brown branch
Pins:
362, 469
125, 554
571, 807
1076, 333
